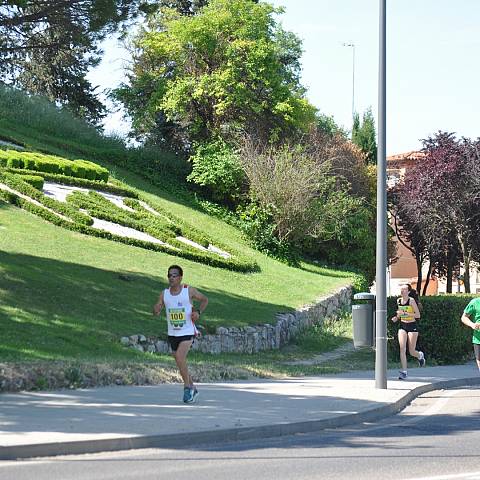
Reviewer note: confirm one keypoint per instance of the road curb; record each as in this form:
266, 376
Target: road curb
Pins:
192, 439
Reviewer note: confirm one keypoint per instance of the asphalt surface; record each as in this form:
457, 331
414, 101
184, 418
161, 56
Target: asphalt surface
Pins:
36, 424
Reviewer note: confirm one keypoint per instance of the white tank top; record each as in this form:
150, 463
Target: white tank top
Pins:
179, 313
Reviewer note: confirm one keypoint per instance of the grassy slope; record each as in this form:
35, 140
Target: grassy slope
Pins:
61, 296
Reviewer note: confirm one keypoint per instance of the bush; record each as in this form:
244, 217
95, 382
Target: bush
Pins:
34, 180
163, 226
15, 162
101, 186
52, 164
16, 182
443, 337
217, 167
259, 227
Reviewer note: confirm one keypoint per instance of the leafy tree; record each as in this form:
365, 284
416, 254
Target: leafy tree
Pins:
442, 197
405, 224
446, 259
184, 7
365, 137
229, 68
47, 47
327, 124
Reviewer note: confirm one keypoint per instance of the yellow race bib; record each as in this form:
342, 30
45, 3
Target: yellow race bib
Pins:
177, 317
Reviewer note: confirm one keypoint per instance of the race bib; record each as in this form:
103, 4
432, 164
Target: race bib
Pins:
406, 312
177, 317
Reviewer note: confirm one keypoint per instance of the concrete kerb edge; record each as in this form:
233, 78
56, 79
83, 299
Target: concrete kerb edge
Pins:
185, 440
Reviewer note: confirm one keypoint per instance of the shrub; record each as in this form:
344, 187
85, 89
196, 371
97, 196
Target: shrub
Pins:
29, 163
101, 186
217, 167
14, 162
17, 183
34, 180
52, 164
259, 227
164, 226
442, 336
238, 264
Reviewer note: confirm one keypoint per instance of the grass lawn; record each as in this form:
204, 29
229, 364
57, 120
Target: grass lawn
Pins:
66, 298
62, 295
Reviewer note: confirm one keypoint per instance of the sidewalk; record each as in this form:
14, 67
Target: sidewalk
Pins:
118, 418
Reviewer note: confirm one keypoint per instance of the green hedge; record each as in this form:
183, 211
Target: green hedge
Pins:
99, 207
16, 182
78, 182
442, 335
186, 229
34, 180
52, 164
158, 226
198, 256
164, 227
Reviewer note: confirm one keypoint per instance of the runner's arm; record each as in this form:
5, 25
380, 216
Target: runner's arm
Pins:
199, 297
466, 321
157, 308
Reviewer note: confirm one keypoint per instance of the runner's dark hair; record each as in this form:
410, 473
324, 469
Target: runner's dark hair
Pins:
176, 267
412, 293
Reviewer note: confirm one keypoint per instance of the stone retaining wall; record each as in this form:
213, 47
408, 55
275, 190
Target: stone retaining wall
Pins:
252, 339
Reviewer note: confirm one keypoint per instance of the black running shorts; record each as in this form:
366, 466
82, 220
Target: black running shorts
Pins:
176, 341
408, 326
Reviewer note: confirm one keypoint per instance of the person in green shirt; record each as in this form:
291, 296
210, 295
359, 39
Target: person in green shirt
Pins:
471, 318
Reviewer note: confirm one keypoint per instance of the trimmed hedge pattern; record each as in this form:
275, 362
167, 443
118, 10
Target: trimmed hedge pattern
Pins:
17, 183
34, 180
78, 182
52, 164
163, 229
442, 335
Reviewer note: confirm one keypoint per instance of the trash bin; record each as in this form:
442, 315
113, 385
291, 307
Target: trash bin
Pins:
363, 317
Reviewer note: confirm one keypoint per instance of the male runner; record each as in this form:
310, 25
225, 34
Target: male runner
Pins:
181, 317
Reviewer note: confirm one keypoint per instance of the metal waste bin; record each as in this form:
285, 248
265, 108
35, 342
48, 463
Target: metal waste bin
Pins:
363, 318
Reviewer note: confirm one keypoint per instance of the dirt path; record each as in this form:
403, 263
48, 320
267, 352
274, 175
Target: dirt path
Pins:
341, 351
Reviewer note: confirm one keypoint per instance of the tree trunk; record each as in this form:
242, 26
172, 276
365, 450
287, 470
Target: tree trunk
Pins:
419, 274
466, 275
427, 280
450, 258
466, 264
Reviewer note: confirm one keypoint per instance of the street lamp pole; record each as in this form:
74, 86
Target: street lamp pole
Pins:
381, 250
352, 45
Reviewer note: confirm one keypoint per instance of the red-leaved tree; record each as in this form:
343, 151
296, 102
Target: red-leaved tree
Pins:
441, 197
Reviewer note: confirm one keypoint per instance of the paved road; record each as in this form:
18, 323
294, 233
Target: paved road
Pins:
436, 437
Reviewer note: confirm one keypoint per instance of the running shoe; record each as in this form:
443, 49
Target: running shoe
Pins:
402, 375
191, 395
421, 359
186, 394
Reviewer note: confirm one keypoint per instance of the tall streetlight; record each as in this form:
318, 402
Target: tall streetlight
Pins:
381, 250
352, 46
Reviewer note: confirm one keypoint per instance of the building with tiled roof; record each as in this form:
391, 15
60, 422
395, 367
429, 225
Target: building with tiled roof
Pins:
398, 164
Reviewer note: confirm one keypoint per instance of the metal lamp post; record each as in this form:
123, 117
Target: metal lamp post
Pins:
352, 46
381, 249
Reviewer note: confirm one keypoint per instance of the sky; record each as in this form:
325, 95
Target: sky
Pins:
433, 72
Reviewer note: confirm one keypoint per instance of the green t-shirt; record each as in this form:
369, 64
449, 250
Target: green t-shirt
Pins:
473, 312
